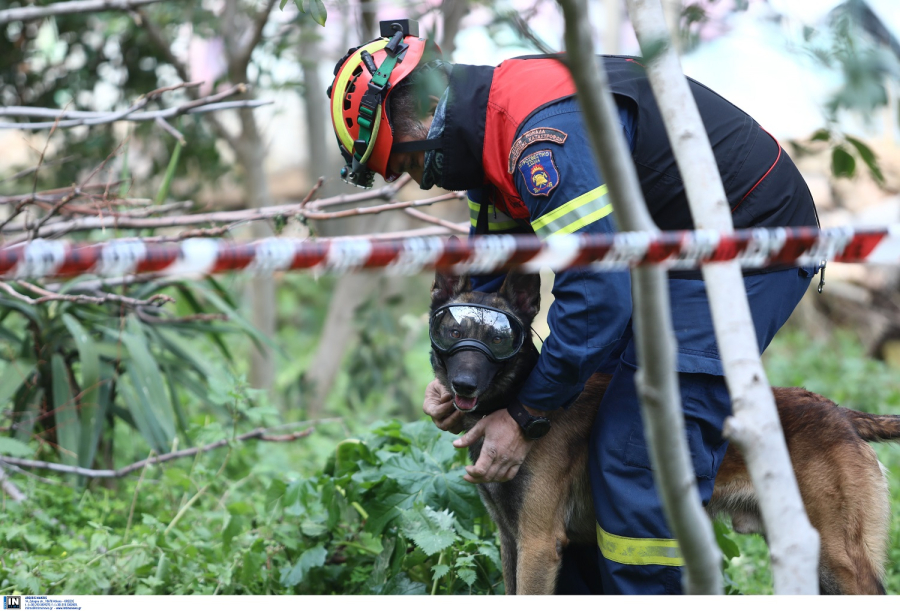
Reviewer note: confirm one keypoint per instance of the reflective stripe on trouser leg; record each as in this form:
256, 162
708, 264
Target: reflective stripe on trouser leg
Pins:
637, 551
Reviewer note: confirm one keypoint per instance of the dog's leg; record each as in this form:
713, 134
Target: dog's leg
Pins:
540, 558
509, 554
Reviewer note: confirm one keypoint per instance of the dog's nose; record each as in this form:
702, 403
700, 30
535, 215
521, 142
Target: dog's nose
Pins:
464, 385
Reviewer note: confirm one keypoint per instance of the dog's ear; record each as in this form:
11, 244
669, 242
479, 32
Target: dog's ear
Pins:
446, 286
523, 292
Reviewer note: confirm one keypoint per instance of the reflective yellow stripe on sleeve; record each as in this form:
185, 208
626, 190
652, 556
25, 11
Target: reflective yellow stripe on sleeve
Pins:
497, 221
572, 216
628, 550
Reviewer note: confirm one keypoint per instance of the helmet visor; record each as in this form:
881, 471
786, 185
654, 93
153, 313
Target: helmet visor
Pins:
469, 326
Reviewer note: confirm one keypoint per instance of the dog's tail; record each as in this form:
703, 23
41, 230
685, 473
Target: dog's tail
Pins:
873, 427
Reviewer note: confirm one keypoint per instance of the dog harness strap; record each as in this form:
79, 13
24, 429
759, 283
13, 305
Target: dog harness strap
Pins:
629, 550
575, 214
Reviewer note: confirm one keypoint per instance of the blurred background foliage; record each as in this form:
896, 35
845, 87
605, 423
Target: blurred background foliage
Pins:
372, 501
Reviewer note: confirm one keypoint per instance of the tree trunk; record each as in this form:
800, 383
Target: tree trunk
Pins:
453, 12
755, 427
657, 380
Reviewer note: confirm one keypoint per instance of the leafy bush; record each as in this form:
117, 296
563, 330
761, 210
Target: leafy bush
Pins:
388, 514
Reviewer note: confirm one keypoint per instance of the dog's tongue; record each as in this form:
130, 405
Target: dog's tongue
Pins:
465, 403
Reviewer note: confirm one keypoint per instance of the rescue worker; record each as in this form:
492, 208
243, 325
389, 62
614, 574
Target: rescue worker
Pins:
513, 136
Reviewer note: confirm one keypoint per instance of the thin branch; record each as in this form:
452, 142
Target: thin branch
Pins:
387, 193
29, 13
399, 235
153, 301
147, 115
162, 123
261, 434
127, 114
9, 488
322, 216
224, 216
259, 23
28, 171
427, 218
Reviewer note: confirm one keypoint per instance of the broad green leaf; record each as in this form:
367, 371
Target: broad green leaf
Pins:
283, 4
176, 402
439, 570
90, 389
842, 163
468, 576
11, 378
311, 558
14, 447
869, 158
223, 306
401, 585
300, 6
26, 404
317, 11
431, 530
729, 547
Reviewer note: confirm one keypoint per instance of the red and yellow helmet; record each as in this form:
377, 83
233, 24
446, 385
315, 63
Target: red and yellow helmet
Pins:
363, 80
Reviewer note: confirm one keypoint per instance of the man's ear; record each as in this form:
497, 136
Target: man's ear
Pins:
523, 292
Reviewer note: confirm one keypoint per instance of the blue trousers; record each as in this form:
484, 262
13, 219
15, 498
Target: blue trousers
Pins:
636, 550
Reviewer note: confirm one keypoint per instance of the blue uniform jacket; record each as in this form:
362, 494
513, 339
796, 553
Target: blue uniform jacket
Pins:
590, 317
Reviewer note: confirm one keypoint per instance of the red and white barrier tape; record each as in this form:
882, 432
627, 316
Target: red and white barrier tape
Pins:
752, 248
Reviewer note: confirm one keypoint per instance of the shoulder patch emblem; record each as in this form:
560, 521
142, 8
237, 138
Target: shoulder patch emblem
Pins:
541, 134
539, 172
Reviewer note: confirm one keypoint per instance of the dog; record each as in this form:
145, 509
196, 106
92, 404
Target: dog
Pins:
548, 505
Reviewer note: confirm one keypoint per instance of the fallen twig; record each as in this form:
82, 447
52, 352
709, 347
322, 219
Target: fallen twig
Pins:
261, 434
322, 216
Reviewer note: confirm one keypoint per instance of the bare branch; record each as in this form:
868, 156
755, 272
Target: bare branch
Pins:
154, 301
34, 169
9, 488
321, 216
427, 218
194, 106
28, 13
259, 23
160, 122
261, 434
225, 216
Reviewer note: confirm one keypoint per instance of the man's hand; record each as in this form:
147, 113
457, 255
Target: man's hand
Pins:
439, 406
503, 452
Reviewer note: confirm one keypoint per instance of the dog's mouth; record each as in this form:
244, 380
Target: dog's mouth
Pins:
465, 404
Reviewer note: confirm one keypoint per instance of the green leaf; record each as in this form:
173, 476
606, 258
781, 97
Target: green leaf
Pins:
311, 558
68, 425
439, 570
869, 158
842, 163
170, 173
283, 4
729, 548
148, 384
432, 531
14, 447
401, 585
467, 575
11, 378
317, 11
822, 135
90, 390
300, 6
234, 527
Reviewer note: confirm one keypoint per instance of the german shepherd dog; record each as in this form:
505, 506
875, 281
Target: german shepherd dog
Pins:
548, 505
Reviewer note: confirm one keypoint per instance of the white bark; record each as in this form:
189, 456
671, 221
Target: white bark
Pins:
754, 427
657, 380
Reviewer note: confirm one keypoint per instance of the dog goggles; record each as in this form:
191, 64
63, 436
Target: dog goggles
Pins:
454, 327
